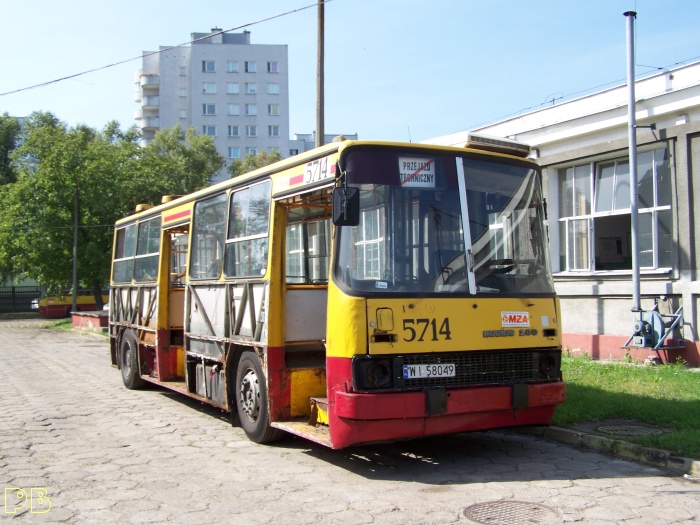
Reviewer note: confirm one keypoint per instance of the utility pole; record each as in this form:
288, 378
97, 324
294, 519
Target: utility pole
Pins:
320, 132
632, 135
75, 249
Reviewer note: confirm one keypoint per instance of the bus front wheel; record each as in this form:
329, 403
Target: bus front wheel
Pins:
129, 361
251, 400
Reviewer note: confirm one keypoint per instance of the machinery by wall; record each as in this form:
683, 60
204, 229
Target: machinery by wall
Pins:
653, 328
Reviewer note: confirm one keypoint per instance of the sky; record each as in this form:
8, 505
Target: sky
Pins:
394, 69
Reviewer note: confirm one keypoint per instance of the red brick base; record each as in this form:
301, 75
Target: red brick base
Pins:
90, 320
610, 347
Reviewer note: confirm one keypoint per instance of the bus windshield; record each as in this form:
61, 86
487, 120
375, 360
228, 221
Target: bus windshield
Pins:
411, 236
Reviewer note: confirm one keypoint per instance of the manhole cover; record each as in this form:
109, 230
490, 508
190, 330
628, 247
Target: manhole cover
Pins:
511, 513
630, 430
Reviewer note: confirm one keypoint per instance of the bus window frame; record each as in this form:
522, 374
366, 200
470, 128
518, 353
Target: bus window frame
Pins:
125, 258
247, 241
143, 261
194, 263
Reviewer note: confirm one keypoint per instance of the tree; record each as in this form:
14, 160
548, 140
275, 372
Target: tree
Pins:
251, 162
178, 163
101, 175
9, 137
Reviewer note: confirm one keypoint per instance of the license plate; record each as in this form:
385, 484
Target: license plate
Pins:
434, 370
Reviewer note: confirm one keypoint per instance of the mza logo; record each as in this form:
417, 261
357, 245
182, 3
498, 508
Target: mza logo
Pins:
515, 319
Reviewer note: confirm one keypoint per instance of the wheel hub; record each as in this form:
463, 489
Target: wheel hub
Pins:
250, 395
126, 357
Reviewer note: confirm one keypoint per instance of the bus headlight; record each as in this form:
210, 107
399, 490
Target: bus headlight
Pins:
549, 366
371, 373
379, 374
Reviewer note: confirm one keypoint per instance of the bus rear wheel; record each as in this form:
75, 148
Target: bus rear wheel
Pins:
251, 401
129, 361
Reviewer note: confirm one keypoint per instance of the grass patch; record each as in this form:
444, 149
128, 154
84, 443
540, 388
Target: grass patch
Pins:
666, 396
63, 325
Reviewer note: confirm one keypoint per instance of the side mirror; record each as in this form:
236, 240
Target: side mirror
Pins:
346, 206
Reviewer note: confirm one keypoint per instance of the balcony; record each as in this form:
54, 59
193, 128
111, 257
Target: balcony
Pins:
151, 123
138, 113
150, 82
151, 102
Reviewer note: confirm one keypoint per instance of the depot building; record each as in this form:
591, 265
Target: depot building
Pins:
583, 148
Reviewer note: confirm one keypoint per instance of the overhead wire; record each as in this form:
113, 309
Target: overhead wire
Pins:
151, 53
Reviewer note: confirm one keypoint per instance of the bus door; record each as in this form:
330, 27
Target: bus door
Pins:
307, 257
171, 348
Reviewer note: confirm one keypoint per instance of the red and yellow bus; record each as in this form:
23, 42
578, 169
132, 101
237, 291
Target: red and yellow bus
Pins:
57, 306
360, 292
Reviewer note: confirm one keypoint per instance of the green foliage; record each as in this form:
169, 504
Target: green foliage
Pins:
667, 396
9, 137
252, 162
102, 174
177, 163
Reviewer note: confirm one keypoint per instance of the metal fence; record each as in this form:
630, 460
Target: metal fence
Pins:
18, 298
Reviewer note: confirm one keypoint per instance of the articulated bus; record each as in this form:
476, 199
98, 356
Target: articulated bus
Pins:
357, 293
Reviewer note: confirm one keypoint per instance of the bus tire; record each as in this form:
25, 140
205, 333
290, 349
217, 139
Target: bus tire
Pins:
129, 361
251, 401
232, 393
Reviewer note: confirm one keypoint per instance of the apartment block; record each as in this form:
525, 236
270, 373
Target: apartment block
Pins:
223, 86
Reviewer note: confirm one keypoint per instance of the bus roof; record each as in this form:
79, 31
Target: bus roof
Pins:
300, 159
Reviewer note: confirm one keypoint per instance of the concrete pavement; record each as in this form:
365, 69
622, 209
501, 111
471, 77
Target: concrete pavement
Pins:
97, 453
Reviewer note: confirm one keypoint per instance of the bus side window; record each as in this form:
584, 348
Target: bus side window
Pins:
147, 251
178, 258
124, 252
308, 251
247, 237
208, 238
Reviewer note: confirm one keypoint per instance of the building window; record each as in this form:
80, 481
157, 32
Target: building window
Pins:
251, 109
233, 131
250, 67
594, 214
273, 67
208, 109
183, 92
293, 152
183, 113
234, 153
251, 88
273, 109
232, 88
208, 66
232, 66
209, 130
251, 151
251, 131
273, 131
273, 89
209, 87
233, 109
183, 71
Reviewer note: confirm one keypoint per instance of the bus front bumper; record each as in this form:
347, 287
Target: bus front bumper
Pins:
363, 418
400, 405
